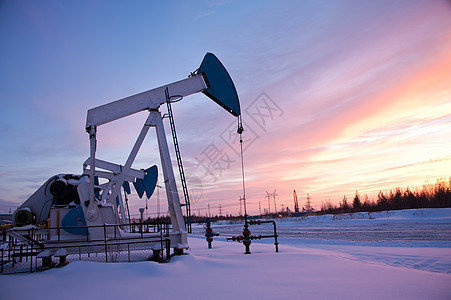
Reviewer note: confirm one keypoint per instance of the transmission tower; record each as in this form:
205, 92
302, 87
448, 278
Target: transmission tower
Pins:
273, 196
308, 205
268, 195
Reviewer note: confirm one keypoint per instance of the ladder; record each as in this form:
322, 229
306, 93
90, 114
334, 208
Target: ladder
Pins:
179, 162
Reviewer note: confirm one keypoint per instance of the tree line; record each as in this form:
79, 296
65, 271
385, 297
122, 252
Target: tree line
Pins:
430, 196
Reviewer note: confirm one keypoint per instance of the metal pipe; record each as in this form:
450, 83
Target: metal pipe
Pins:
275, 235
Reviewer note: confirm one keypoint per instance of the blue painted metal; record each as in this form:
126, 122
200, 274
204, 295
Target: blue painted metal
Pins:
75, 217
148, 183
150, 180
139, 187
126, 187
220, 85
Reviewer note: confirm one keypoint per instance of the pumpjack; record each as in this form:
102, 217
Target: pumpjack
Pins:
78, 204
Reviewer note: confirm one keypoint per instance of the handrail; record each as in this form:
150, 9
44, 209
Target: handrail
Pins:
32, 241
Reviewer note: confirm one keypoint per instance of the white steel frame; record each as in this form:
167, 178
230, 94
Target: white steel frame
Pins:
150, 100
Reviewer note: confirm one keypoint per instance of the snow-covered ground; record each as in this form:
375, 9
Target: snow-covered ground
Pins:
394, 255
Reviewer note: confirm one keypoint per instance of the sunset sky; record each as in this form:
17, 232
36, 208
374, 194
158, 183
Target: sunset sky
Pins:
336, 96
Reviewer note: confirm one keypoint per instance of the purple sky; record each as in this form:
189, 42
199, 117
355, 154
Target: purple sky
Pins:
358, 93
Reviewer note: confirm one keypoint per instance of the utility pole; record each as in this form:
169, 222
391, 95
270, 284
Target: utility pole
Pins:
158, 199
209, 214
220, 210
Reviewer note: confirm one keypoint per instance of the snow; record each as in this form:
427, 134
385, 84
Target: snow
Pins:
304, 268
